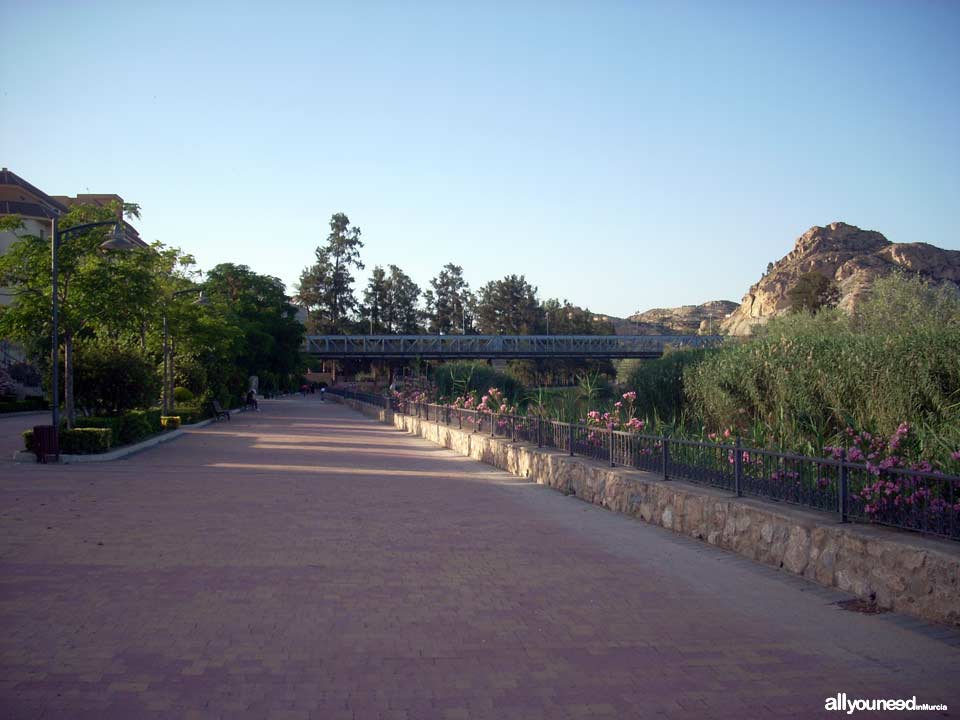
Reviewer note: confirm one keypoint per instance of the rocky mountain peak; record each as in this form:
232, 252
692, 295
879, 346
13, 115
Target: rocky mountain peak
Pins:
849, 256
837, 237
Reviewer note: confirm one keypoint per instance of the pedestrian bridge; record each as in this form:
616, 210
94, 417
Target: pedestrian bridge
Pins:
495, 347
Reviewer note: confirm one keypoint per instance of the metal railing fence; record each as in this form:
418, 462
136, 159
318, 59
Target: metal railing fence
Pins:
922, 501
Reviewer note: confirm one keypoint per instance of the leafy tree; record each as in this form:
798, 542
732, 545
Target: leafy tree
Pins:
98, 291
813, 291
567, 319
508, 307
269, 336
401, 313
449, 302
326, 287
375, 300
390, 303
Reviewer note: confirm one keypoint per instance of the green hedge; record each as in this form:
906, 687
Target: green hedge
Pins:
190, 414
85, 441
113, 424
25, 405
79, 441
126, 429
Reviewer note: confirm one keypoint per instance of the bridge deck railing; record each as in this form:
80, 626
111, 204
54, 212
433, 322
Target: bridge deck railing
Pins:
494, 346
927, 502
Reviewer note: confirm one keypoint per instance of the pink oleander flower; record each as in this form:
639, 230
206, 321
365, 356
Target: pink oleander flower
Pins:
711, 436
726, 433
631, 396
617, 404
955, 455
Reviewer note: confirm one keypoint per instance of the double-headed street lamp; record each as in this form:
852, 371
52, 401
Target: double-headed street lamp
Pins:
117, 242
168, 378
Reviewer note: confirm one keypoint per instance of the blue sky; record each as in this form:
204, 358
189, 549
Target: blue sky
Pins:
620, 155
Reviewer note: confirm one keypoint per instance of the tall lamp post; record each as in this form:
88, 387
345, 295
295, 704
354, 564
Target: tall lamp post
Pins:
168, 350
117, 242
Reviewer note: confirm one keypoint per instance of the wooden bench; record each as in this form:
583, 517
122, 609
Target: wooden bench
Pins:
218, 411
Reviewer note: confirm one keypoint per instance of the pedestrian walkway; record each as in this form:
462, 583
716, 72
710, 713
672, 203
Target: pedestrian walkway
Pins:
305, 562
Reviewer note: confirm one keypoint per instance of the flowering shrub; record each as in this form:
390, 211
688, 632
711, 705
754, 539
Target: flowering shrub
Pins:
883, 491
621, 418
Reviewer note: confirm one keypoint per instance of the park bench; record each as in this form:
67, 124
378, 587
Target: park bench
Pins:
218, 411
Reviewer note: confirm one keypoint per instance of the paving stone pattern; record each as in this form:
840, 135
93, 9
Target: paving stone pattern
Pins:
306, 562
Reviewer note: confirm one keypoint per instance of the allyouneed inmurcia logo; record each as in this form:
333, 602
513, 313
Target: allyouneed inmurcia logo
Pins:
842, 703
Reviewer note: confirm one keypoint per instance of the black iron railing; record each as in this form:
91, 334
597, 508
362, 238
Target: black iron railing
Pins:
926, 502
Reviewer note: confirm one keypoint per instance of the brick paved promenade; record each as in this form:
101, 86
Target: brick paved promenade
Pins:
304, 562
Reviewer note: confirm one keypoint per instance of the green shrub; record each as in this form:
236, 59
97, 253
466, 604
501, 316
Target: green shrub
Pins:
170, 422
79, 441
26, 405
137, 424
113, 424
127, 429
182, 395
659, 383
804, 379
190, 414
84, 441
113, 379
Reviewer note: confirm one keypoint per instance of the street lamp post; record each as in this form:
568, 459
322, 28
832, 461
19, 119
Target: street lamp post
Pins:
117, 242
168, 351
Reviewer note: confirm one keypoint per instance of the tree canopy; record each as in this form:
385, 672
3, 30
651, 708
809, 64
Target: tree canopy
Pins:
326, 287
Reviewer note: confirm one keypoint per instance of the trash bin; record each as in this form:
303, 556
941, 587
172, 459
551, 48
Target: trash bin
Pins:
45, 442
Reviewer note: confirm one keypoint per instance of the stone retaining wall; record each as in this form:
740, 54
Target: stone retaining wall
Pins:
901, 571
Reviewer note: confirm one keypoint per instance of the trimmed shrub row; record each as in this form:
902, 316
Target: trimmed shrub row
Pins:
128, 428
79, 441
99, 434
25, 405
85, 441
190, 414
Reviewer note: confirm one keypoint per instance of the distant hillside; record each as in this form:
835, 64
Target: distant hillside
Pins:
684, 320
849, 256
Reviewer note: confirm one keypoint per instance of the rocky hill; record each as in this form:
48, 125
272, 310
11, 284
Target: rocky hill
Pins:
849, 256
684, 320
